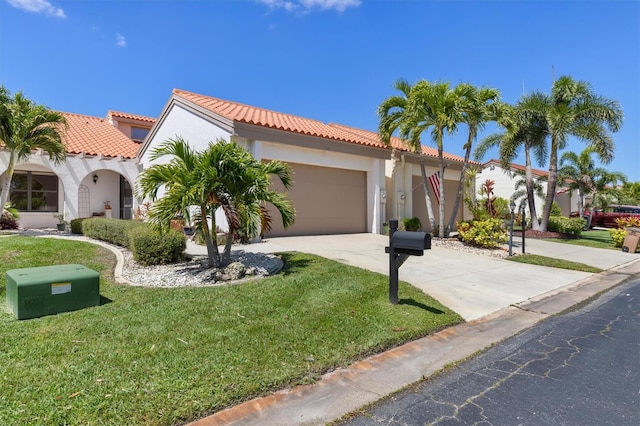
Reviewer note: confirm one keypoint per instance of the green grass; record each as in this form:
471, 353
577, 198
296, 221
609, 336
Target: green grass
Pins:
165, 356
534, 259
593, 238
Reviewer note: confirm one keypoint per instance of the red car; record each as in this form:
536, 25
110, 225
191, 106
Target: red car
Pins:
607, 219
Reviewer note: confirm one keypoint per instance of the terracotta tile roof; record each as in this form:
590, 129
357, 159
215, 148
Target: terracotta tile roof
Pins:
520, 167
397, 143
276, 120
94, 136
126, 115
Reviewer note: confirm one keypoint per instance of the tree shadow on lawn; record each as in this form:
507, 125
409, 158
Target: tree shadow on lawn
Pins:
412, 302
292, 266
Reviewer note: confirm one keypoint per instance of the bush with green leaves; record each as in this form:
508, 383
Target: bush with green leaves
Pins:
619, 234
114, 231
411, 224
566, 225
487, 233
76, 225
149, 247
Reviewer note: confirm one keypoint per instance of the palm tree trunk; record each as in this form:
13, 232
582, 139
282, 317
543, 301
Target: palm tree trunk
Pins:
212, 246
551, 184
226, 255
6, 182
441, 209
463, 172
535, 225
427, 198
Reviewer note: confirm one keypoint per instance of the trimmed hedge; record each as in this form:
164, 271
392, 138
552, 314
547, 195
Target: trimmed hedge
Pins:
114, 231
76, 225
151, 248
566, 225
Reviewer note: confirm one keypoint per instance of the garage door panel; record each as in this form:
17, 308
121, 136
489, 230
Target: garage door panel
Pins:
327, 201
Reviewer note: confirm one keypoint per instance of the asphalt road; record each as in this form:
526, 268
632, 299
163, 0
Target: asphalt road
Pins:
579, 368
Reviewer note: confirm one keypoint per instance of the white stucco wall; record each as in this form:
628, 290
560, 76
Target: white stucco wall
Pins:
180, 122
73, 173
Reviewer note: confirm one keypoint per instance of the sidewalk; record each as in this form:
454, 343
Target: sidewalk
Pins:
497, 297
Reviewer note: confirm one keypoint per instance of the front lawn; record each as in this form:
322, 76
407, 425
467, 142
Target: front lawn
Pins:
551, 262
164, 356
593, 238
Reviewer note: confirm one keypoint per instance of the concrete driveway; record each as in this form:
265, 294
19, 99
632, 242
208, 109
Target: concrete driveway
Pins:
472, 285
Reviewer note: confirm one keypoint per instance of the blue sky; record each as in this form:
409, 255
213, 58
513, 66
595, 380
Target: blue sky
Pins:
330, 60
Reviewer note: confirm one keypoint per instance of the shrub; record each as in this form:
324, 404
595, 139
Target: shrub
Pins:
483, 233
618, 235
566, 225
501, 208
150, 247
114, 231
8, 220
411, 224
76, 225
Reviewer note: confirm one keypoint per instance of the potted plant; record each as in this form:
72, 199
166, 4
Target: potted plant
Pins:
107, 209
62, 224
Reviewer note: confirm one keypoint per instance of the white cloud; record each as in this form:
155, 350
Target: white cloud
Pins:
308, 5
38, 6
120, 40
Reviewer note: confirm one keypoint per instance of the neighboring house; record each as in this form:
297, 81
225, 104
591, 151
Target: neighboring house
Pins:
101, 166
345, 180
506, 180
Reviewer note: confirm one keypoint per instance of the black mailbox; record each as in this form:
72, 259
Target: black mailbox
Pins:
403, 244
413, 243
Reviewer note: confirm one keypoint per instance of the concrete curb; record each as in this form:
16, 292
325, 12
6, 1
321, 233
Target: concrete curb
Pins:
346, 390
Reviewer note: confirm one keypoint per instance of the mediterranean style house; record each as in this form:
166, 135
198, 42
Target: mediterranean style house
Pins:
345, 179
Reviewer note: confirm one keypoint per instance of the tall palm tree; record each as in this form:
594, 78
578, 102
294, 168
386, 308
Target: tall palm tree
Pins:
224, 176
25, 127
524, 128
573, 109
435, 106
392, 113
579, 171
478, 106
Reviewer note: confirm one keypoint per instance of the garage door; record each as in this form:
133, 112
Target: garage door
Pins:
327, 201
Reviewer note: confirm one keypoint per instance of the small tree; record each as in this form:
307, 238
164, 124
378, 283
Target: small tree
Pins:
25, 127
224, 176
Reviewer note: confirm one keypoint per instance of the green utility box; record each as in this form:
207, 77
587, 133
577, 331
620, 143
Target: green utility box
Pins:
34, 292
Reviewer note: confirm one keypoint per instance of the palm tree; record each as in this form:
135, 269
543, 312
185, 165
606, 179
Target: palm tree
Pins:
435, 106
479, 105
197, 184
607, 188
393, 114
25, 127
524, 128
573, 109
579, 171
521, 188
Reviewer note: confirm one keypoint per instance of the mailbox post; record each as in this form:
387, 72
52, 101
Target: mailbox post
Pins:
402, 245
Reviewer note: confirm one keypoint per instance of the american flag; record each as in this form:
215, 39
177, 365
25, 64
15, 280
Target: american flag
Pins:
434, 180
